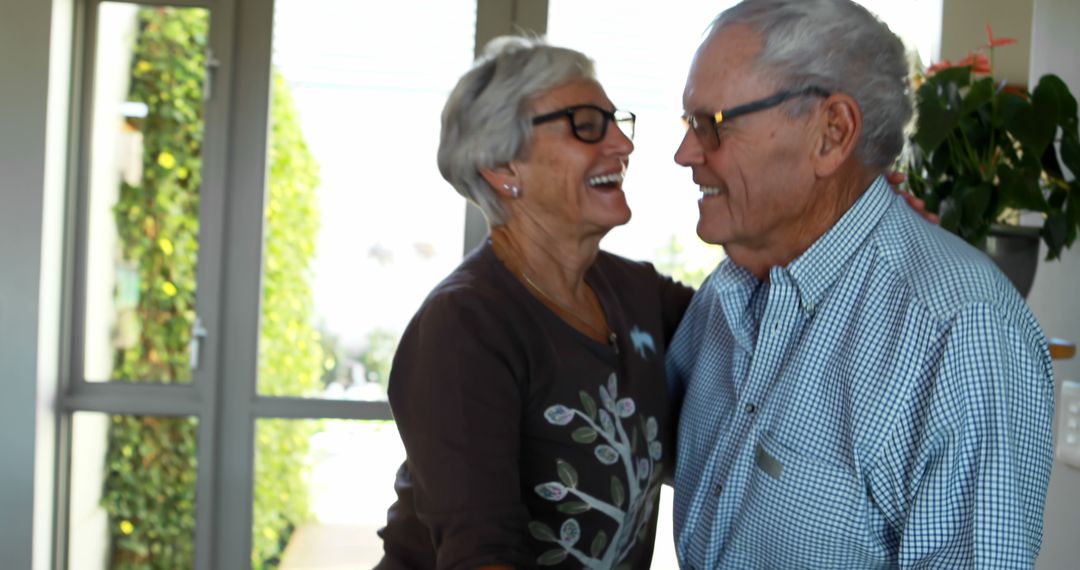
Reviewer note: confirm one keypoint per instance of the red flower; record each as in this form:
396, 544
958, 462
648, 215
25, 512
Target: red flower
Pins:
995, 42
943, 64
978, 63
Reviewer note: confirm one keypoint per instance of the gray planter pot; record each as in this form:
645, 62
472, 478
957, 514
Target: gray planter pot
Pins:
1015, 250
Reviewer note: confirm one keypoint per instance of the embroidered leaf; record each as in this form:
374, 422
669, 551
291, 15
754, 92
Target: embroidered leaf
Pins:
559, 415
567, 473
606, 454
612, 386
589, 404
624, 408
551, 491
584, 435
551, 557
655, 450
618, 492
643, 469
605, 422
541, 531
570, 532
598, 544
607, 399
573, 507
651, 428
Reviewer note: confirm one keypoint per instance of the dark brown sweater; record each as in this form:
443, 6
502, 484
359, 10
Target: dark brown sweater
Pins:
527, 442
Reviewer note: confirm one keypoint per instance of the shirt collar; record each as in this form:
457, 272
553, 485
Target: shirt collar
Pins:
818, 267
733, 286
811, 273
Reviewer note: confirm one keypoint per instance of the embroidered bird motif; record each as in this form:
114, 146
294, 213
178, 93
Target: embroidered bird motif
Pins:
642, 341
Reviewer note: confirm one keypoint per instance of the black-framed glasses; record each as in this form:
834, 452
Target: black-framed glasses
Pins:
705, 125
589, 123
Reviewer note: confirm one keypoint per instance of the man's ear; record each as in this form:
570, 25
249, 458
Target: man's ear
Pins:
841, 127
501, 178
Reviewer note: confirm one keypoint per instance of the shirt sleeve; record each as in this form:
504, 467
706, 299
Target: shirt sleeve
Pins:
963, 478
457, 403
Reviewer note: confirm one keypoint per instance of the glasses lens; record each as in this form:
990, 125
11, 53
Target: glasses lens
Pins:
589, 124
625, 121
704, 126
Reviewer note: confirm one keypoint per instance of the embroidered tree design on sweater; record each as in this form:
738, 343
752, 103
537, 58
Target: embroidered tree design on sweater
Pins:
633, 488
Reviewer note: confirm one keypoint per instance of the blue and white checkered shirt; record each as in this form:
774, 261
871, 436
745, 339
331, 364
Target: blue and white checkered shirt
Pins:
883, 401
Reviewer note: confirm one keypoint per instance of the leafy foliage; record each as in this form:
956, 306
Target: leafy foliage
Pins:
378, 354
981, 151
671, 260
291, 357
149, 490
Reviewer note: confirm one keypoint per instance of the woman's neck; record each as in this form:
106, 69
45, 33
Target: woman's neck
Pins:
554, 273
556, 265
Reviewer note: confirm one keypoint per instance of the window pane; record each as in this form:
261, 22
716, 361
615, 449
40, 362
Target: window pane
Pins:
359, 223
322, 488
132, 501
917, 22
143, 192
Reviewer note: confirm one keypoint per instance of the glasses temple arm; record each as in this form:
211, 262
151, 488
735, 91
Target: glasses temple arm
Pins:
769, 102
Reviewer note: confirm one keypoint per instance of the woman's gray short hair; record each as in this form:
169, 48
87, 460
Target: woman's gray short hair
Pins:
487, 118
840, 46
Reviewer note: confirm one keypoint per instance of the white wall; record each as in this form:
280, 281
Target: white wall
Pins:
963, 24
1053, 296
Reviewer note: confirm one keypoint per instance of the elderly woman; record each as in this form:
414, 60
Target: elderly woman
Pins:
529, 387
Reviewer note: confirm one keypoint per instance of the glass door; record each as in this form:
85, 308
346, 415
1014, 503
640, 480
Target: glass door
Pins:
138, 399
346, 226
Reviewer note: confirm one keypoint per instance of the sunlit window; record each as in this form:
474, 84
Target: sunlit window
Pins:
359, 226
365, 100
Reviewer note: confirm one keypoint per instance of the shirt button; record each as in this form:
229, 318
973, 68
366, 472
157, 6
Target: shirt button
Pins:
750, 408
717, 489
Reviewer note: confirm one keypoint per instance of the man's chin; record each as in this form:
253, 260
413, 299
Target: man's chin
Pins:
710, 234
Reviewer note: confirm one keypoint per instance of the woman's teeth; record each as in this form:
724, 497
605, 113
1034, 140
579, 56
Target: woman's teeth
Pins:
710, 190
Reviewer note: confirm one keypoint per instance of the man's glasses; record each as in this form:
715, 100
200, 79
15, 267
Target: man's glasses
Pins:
706, 125
589, 123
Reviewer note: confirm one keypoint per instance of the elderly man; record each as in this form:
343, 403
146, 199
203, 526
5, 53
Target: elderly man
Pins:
860, 388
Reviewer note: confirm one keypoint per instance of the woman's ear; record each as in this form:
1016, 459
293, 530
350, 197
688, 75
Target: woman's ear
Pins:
841, 127
502, 179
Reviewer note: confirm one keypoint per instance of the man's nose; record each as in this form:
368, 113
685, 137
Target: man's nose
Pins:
689, 152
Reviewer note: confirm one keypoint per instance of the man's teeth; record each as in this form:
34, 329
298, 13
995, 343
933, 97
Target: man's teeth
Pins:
612, 178
710, 190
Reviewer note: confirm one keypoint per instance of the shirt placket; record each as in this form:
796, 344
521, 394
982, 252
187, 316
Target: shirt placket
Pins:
776, 331
729, 318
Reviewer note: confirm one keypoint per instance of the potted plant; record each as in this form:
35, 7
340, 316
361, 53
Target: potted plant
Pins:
982, 152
